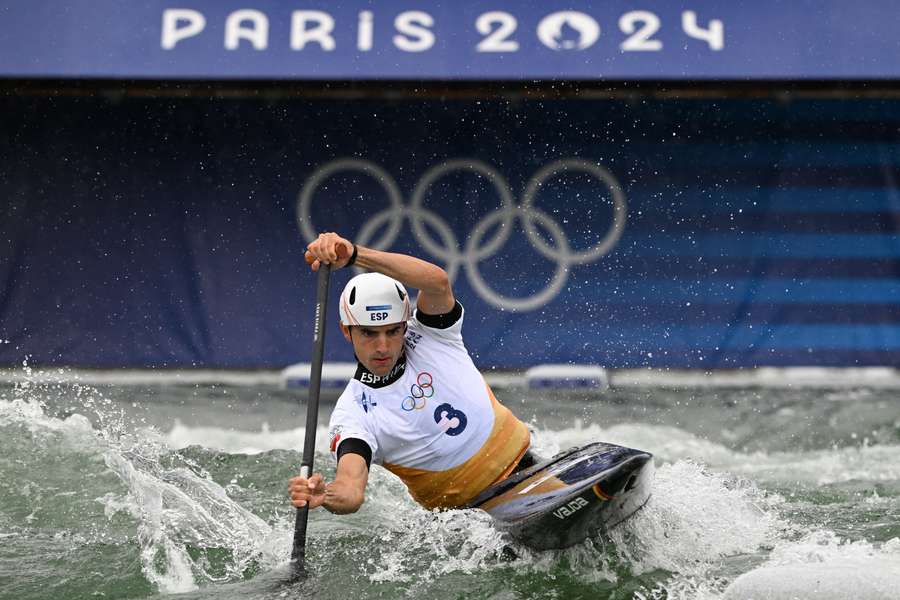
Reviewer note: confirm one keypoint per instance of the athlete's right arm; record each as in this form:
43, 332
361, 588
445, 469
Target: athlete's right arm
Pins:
435, 292
342, 496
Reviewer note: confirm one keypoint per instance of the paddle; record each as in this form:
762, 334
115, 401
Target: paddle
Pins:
298, 555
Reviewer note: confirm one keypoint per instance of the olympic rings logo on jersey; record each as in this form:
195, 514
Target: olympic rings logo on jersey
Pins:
500, 220
419, 392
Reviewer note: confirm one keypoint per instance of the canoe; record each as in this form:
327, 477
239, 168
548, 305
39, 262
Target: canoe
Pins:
559, 502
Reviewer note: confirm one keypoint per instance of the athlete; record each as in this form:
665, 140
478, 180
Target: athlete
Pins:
417, 405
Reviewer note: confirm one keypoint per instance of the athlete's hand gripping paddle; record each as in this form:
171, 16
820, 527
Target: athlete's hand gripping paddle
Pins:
298, 555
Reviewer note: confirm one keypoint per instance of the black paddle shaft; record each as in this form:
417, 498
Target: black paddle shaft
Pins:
298, 554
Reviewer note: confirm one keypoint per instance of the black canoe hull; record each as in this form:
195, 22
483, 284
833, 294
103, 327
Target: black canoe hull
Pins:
559, 502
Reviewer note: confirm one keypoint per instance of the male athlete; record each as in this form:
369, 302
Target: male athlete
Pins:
417, 405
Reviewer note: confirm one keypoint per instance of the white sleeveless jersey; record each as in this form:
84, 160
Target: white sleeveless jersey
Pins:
437, 426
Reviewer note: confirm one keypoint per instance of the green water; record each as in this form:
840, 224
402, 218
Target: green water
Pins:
137, 492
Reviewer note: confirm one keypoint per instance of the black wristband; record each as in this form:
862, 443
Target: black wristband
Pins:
352, 256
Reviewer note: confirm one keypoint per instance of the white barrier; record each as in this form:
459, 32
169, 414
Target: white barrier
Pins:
140, 377
543, 376
761, 377
567, 376
334, 375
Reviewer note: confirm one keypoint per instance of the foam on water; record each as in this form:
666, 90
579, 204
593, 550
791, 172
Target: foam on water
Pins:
663, 441
819, 565
668, 442
708, 529
822, 467
813, 467
694, 519
182, 516
179, 506
236, 441
409, 545
822, 565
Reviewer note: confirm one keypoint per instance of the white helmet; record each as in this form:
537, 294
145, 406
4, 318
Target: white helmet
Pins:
373, 299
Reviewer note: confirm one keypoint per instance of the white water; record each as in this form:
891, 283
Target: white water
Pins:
706, 512
173, 505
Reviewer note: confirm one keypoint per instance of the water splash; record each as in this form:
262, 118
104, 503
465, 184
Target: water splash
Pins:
823, 565
235, 441
186, 519
161, 497
869, 462
822, 467
189, 531
669, 443
695, 520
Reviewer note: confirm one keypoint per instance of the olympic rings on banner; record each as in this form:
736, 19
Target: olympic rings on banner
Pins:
478, 245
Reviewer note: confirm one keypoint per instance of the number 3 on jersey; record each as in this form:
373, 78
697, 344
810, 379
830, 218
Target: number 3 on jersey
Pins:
450, 420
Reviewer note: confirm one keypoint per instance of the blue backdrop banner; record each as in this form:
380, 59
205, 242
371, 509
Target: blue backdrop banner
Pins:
465, 39
667, 233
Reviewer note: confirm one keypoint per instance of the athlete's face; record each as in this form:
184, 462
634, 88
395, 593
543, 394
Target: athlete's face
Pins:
379, 347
